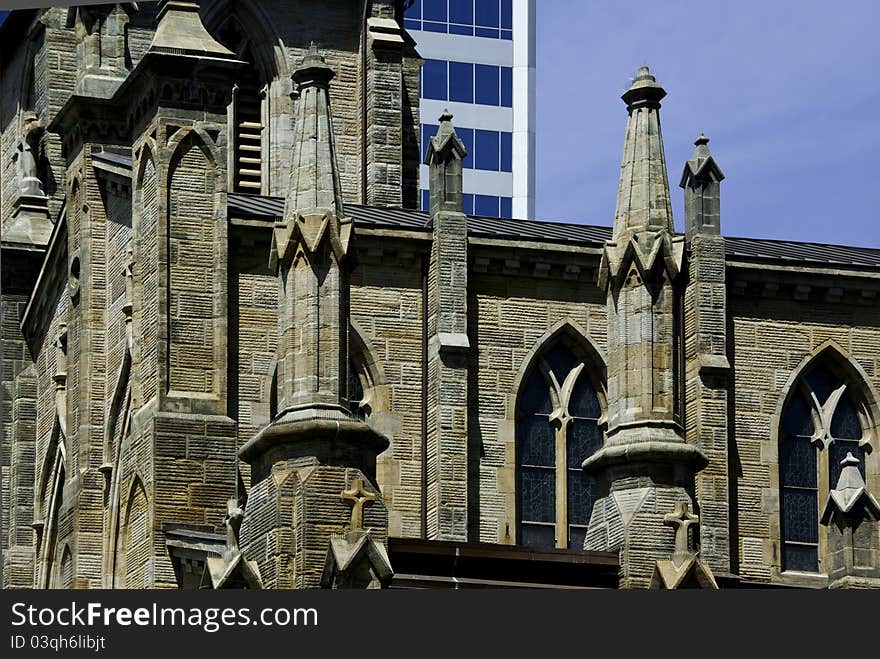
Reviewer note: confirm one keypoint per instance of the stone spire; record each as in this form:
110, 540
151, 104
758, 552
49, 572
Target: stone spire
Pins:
315, 455
313, 365
314, 178
645, 466
701, 180
643, 194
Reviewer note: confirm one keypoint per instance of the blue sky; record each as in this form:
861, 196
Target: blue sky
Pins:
784, 90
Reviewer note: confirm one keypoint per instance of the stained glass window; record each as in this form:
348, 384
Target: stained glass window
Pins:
819, 426
540, 468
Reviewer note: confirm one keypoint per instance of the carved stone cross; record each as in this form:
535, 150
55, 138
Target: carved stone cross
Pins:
680, 520
359, 498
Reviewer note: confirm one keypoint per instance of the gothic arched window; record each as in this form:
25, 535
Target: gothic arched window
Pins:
558, 426
820, 424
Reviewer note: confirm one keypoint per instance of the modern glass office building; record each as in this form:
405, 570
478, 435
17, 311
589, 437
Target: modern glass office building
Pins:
480, 64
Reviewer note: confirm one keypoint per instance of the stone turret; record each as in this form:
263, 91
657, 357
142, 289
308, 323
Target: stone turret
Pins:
852, 516
645, 467
314, 449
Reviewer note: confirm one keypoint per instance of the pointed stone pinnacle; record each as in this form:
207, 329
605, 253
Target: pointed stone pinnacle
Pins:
702, 140
850, 459
446, 116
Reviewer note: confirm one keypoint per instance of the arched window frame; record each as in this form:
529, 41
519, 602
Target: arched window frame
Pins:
853, 382
267, 54
588, 364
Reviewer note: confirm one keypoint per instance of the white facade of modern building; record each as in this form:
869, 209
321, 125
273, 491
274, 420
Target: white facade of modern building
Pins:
480, 65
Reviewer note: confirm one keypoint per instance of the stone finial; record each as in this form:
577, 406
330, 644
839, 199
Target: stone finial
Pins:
359, 497
444, 157
644, 91
234, 518
180, 31
681, 520
701, 180
313, 69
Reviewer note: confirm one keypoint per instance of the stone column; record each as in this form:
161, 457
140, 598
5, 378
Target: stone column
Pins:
705, 342
448, 344
315, 449
645, 466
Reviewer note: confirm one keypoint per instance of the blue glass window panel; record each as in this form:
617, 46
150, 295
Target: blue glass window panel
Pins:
537, 535
584, 399
506, 86
461, 11
428, 131
535, 396
414, 10
434, 10
485, 205
537, 494
507, 14
486, 13
467, 203
797, 419
466, 135
576, 537
583, 438
845, 423
822, 382
426, 200
837, 452
461, 82
506, 152
434, 82
537, 441
428, 26
410, 24
486, 151
800, 516
560, 360
581, 493
804, 558
467, 30
506, 207
797, 463
485, 32
487, 84
507, 34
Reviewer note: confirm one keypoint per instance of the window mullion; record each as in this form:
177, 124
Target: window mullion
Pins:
561, 487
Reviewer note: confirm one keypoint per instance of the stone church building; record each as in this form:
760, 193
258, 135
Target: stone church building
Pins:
236, 355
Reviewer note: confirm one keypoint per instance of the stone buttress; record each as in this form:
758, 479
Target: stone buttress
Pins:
645, 466
706, 368
315, 450
448, 343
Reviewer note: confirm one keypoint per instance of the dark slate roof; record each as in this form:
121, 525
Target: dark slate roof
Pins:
788, 251
253, 206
